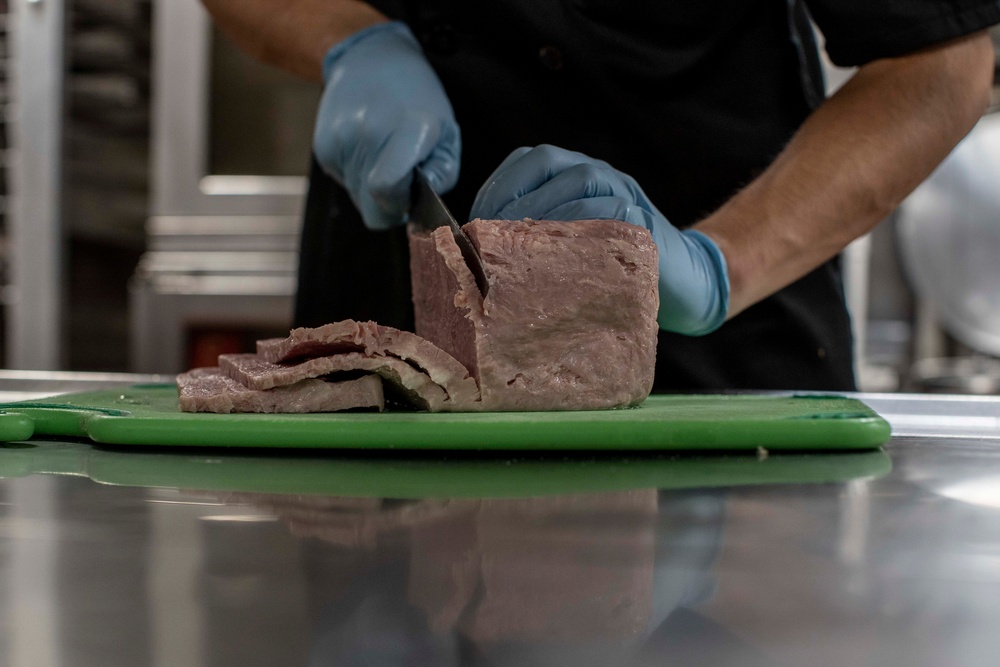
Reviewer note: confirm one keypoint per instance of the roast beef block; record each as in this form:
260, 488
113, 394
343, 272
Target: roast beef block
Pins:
209, 390
569, 324
570, 319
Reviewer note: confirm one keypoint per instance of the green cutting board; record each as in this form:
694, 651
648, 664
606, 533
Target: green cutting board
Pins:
149, 415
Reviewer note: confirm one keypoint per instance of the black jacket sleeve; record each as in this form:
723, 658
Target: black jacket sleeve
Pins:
860, 31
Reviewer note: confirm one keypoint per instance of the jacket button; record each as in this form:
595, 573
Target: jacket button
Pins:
551, 58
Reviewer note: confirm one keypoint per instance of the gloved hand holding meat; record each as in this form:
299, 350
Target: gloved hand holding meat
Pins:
550, 183
382, 113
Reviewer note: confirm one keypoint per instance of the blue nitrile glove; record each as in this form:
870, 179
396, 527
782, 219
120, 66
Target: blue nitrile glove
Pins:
549, 183
382, 113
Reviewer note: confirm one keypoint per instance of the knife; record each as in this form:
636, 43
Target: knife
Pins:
428, 212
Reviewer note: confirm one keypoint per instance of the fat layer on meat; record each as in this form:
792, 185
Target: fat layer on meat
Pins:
210, 390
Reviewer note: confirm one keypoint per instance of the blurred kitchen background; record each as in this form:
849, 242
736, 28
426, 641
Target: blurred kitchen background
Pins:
149, 203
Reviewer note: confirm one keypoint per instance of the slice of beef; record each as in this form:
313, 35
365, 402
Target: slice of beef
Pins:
254, 372
570, 319
377, 340
210, 390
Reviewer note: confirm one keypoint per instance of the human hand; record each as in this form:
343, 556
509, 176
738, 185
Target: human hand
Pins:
382, 113
550, 183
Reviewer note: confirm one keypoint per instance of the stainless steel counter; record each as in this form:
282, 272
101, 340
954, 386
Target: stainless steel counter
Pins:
208, 558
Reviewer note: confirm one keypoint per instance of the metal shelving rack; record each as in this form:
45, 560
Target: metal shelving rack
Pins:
4, 99
32, 295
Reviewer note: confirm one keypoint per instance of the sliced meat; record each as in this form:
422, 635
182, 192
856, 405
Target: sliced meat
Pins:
303, 343
254, 372
569, 324
570, 319
210, 390
377, 340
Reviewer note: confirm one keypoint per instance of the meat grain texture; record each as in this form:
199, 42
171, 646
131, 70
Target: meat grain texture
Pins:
569, 322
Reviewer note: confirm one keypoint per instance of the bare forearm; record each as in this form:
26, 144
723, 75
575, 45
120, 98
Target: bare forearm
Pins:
852, 162
291, 34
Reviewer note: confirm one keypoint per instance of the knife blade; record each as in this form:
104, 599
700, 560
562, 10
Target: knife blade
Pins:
428, 212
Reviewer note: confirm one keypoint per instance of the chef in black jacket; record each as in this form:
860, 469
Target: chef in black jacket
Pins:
707, 117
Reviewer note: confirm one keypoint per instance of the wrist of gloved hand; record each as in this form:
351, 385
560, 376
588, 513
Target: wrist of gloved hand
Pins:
693, 281
383, 113
343, 46
551, 183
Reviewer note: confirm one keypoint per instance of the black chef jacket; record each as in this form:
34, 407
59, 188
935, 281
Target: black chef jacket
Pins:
692, 98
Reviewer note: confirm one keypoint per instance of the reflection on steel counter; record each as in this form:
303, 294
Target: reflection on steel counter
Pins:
579, 579
423, 560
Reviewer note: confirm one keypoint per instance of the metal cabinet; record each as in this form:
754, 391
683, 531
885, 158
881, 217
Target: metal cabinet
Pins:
223, 234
